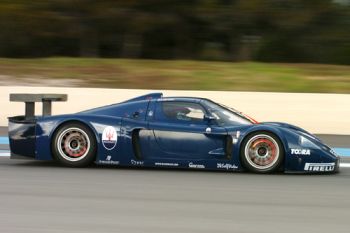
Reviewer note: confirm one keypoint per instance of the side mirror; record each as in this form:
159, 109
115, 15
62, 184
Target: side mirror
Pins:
209, 118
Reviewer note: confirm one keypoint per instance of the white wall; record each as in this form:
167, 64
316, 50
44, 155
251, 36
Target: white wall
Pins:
317, 113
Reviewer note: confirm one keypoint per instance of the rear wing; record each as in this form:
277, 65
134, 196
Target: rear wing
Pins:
22, 129
31, 99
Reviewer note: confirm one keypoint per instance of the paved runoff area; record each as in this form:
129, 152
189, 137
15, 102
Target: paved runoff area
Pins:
3, 131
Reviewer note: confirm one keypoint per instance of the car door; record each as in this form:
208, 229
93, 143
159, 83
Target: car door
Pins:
179, 131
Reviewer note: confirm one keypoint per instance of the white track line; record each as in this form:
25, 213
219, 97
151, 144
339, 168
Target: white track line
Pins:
347, 165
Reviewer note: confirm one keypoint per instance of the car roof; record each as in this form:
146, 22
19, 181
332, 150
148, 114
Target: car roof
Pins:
159, 97
182, 99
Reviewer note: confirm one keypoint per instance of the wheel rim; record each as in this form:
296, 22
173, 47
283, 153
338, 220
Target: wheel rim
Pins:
262, 151
73, 144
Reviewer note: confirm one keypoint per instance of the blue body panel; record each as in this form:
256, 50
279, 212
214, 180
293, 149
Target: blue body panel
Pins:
147, 139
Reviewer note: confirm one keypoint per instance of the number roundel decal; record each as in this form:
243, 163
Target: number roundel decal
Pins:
109, 138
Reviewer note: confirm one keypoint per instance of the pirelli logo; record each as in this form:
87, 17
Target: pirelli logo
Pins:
319, 167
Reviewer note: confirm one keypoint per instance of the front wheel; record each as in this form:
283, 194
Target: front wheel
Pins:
74, 145
262, 152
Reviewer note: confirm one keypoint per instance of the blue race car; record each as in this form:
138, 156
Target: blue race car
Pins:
170, 132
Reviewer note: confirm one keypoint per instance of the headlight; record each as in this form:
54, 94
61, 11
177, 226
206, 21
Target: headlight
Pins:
304, 142
333, 153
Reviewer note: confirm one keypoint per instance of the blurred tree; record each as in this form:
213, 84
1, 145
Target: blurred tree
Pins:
265, 30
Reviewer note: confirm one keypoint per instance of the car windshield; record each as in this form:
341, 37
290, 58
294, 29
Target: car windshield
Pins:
226, 116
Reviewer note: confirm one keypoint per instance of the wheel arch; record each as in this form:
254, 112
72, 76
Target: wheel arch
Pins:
275, 131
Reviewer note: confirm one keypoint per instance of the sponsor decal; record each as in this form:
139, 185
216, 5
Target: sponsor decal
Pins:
319, 167
108, 162
109, 138
137, 163
167, 164
300, 152
226, 166
192, 165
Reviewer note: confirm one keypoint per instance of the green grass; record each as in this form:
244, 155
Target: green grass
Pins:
177, 74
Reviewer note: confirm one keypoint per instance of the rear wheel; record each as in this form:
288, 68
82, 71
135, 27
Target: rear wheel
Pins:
74, 145
262, 152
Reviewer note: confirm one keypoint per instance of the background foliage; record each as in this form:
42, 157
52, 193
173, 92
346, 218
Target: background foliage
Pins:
315, 31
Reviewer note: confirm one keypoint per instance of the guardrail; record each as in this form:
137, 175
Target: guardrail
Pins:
317, 113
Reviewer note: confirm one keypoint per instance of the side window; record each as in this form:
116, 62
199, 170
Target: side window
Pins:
183, 111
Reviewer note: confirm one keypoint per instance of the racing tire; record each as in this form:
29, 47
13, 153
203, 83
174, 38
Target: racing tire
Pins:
262, 152
74, 145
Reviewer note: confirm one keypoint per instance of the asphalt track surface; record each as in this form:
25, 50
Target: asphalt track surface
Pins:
45, 197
